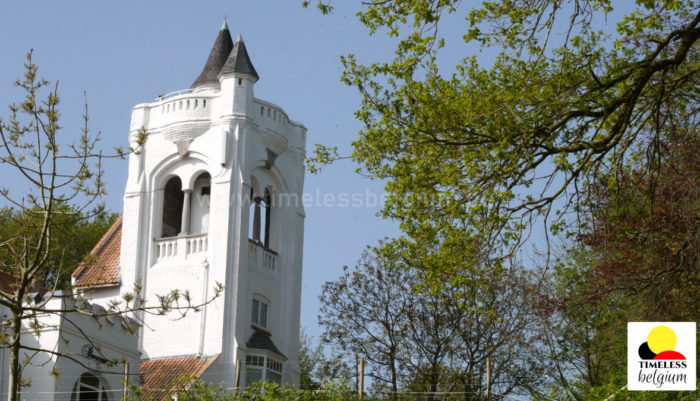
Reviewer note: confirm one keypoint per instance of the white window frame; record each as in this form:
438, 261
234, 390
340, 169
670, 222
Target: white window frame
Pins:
100, 389
269, 365
259, 312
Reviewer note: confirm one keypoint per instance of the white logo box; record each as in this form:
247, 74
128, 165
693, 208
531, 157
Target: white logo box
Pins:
661, 375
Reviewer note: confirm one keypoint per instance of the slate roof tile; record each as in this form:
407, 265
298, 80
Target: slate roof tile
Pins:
217, 58
239, 61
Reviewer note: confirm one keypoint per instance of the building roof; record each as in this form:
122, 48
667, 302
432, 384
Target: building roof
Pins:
217, 58
238, 61
7, 281
161, 378
261, 340
103, 267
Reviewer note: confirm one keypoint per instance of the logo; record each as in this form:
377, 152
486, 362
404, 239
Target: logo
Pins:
661, 356
660, 345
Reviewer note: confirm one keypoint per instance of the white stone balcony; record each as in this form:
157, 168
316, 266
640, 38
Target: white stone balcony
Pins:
181, 247
260, 257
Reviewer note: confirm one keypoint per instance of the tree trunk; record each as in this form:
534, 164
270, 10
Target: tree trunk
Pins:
15, 379
394, 386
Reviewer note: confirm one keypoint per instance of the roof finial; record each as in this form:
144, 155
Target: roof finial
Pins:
240, 38
224, 26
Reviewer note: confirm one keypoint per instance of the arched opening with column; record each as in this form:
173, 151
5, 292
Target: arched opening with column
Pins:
261, 217
199, 204
173, 202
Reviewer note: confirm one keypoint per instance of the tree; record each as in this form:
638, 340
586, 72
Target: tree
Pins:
75, 235
321, 366
63, 184
484, 312
364, 313
432, 329
310, 360
429, 339
643, 231
475, 157
634, 257
264, 391
479, 155
580, 336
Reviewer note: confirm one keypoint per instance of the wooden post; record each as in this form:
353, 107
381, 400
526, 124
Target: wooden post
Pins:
361, 379
488, 379
126, 380
237, 382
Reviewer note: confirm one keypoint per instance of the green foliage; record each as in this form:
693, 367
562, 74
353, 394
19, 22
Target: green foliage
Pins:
634, 258
435, 338
265, 391
644, 231
74, 237
310, 359
572, 124
480, 155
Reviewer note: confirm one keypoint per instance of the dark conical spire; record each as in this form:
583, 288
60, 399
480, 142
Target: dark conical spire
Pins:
238, 61
217, 57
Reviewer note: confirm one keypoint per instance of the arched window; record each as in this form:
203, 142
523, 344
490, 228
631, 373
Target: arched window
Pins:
173, 200
89, 388
199, 204
260, 218
253, 218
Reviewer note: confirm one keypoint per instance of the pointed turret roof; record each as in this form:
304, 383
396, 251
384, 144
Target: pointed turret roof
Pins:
238, 61
217, 58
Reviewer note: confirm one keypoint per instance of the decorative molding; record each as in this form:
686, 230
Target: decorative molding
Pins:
271, 156
177, 132
274, 142
183, 146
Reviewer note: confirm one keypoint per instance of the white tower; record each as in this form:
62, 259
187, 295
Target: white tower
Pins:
215, 197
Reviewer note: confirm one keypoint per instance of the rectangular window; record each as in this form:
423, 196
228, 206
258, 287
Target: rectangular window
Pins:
260, 367
252, 376
274, 365
259, 314
274, 377
263, 315
255, 360
254, 317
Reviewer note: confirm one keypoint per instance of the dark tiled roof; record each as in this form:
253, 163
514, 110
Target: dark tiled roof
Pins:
103, 267
217, 58
161, 378
262, 340
8, 285
238, 60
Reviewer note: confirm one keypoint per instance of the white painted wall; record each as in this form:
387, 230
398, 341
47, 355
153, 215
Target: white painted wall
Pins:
67, 334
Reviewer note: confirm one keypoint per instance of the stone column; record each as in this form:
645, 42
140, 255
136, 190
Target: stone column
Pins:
186, 212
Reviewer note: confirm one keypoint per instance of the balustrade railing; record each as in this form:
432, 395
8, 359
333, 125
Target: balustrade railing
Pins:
182, 247
261, 257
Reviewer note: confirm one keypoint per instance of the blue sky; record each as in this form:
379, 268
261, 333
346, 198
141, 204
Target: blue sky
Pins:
127, 52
